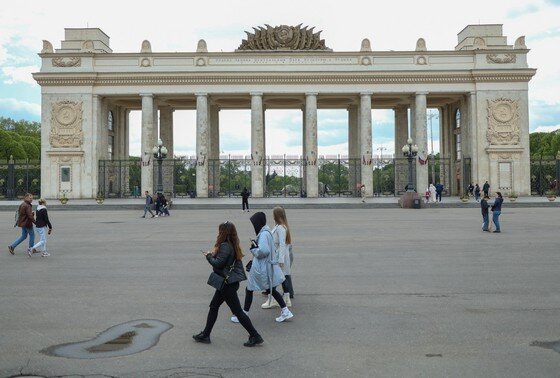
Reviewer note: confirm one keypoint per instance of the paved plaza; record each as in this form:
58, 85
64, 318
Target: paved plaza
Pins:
379, 292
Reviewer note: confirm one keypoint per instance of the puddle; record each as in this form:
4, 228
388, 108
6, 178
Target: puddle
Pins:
554, 345
121, 340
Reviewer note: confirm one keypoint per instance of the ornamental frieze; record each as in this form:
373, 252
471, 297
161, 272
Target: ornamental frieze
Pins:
501, 58
283, 37
66, 124
67, 62
503, 122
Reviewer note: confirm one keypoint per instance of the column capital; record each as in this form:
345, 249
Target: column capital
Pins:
311, 94
421, 93
146, 95
366, 93
473, 93
256, 93
201, 94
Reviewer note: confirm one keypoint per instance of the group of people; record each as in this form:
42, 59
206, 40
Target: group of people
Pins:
269, 268
26, 219
474, 190
496, 208
161, 205
434, 192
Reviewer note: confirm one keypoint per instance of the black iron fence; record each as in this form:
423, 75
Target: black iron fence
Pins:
545, 175
18, 177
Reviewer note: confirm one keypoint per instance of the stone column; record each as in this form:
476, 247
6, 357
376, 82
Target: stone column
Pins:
214, 178
312, 171
473, 131
421, 140
166, 136
303, 152
401, 128
147, 181
202, 142
125, 153
257, 145
412, 131
99, 149
366, 146
353, 146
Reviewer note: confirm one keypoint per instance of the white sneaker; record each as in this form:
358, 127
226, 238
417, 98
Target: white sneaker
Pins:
234, 318
284, 315
270, 303
287, 300
29, 253
45, 254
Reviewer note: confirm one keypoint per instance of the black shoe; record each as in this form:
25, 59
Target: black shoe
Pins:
486, 230
143, 216
11, 249
202, 338
497, 231
253, 340
291, 296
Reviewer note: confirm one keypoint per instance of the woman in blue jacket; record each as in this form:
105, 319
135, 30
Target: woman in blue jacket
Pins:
265, 272
497, 210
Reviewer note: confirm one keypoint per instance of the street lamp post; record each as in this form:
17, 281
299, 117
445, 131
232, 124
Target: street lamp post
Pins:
410, 151
160, 153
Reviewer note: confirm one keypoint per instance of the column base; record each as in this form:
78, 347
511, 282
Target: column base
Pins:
411, 200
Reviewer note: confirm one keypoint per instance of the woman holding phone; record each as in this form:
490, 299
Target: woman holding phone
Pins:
225, 259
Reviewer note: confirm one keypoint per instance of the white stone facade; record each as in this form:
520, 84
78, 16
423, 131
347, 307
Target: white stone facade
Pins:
484, 78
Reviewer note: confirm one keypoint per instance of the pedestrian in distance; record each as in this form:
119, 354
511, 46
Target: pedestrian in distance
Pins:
484, 209
433, 193
477, 192
25, 220
225, 259
44, 227
282, 245
245, 199
439, 191
486, 189
164, 205
470, 188
265, 273
497, 211
363, 193
148, 205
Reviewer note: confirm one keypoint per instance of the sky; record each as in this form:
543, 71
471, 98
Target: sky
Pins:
178, 25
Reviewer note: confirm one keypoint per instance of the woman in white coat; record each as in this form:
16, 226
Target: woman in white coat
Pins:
282, 245
432, 190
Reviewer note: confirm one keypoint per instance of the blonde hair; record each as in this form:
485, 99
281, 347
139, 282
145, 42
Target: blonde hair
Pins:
279, 215
42, 201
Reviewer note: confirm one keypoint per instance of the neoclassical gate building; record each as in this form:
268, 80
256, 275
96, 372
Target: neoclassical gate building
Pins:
479, 88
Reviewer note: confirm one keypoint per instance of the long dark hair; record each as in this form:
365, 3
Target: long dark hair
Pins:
227, 233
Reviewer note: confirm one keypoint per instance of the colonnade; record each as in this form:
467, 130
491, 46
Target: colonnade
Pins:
410, 121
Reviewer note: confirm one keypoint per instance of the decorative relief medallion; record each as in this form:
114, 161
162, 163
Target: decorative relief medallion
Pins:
66, 124
421, 60
505, 155
67, 62
501, 58
365, 61
283, 37
503, 122
145, 62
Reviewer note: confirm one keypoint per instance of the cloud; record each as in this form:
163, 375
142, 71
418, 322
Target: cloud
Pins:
546, 129
11, 107
19, 74
543, 113
522, 11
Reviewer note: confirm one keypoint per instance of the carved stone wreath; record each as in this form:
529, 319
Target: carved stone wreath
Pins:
66, 124
501, 58
67, 62
283, 37
503, 122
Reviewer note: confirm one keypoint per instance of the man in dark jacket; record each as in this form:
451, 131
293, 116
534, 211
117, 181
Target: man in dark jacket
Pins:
245, 199
486, 188
439, 190
25, 221
148, 205
484, 208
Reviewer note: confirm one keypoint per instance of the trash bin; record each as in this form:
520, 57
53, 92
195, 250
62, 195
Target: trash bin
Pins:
416, 203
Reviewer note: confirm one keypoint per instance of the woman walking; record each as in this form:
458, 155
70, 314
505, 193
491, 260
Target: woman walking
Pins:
282, 244
42, 223
225, 259
265, 272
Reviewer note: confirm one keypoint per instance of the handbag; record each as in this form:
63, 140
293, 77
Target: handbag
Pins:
216, 281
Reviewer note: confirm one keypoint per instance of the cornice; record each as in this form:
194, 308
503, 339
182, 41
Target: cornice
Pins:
218, 78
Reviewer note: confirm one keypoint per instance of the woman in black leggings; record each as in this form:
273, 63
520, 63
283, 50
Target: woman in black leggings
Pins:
225, 259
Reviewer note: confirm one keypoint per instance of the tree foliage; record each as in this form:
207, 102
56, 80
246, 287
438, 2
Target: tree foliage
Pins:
20, 139
544, 144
